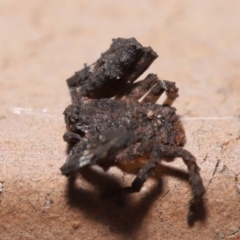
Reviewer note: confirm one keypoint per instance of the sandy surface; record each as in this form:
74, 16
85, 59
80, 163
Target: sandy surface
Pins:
44, 42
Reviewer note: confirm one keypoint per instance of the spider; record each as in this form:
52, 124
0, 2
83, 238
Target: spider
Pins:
108, 123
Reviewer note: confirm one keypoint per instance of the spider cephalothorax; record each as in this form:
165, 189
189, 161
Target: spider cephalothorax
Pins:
106, 122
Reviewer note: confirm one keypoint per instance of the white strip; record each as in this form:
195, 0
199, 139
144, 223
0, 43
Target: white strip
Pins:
209, 118
27, 111
44, 111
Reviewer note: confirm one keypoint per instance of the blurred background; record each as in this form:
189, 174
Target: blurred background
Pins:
44, 42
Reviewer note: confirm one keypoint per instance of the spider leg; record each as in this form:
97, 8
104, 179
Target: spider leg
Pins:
157, 90
171, 92
195, 178
103, 148
136, 90
74, 96
71, 117
143, 174
71, 137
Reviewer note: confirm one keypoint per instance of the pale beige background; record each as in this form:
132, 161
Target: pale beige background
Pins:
42, 42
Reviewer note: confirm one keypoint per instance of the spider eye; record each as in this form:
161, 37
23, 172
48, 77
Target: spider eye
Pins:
72, 117
76, 110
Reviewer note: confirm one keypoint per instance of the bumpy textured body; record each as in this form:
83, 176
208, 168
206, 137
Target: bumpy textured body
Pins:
107, 123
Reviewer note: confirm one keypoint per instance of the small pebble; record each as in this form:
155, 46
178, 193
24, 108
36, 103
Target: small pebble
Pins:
150, 114
234, 230
220, 236
76, 224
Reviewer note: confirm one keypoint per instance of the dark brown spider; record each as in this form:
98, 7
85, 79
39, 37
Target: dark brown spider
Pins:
106, 123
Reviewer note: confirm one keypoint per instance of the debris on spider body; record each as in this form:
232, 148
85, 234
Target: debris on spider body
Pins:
106, 123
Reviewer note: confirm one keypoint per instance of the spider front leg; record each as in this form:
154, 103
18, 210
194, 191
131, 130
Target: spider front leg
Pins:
157, 90
102, 148
135, 91
71, 137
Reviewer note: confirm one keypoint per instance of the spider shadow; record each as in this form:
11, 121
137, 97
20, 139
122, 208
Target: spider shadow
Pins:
120, 212
197, 209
